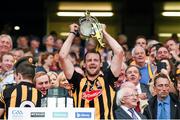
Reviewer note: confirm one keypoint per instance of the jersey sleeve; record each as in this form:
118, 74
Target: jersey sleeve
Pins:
2, 102
75, 80
109, 77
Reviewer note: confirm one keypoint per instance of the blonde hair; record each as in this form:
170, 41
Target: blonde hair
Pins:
39, 74
50, 73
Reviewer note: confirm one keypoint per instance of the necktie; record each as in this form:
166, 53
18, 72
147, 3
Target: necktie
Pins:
163, 111
134, 117
137, 108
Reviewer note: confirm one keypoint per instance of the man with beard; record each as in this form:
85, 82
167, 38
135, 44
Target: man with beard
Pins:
164, 105
94, 89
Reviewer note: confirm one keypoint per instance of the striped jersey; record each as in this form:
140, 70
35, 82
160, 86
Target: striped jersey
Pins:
98, 94
23, 94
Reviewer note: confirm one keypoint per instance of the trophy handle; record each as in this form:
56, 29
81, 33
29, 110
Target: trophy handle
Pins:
98, 33
95, 28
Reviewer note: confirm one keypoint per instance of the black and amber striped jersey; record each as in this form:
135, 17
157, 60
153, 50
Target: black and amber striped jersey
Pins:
23, 94
98, 94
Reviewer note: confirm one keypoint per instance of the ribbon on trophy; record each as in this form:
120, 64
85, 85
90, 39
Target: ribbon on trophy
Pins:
91, 28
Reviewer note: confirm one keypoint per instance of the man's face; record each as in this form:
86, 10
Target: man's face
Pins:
49, 60
131, 98
162, 53
23, 42
141, 42
162, 87
133, 75
50, 41
59, 43
43, 84
18, 54
152, 52
5, 45
172, 46
7, 62
35, 44
92, 64
139, 55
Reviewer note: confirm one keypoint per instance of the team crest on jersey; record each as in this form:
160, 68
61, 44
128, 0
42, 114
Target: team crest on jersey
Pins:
90, 95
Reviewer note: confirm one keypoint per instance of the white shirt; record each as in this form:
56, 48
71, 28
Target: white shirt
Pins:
138, 87
126, 109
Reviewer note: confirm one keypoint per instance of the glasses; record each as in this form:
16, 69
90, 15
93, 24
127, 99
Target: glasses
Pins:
132, 95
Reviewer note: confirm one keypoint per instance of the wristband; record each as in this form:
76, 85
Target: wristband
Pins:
73, 33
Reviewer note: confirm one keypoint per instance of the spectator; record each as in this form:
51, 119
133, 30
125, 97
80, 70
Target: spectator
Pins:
35, 46
162, 53
146, 69
18, 54
141, 41
23, 43
133, 75
24, 94
53, 79
127, 99
7, 72
173, 47
6, 44
164, 105
42, 82
58, 44
49, 41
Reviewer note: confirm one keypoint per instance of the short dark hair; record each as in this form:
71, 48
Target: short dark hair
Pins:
92, 51
141, 36
26, 67
27, 70
1, 58
171, 38
158, 47
133, 66
160, 76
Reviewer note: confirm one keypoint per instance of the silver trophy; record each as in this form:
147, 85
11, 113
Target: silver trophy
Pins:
90, 27
57, 97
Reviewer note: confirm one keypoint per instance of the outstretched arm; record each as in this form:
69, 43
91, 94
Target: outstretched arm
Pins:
117, 50
67, 65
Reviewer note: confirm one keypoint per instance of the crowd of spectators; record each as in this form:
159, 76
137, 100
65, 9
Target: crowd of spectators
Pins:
145, 78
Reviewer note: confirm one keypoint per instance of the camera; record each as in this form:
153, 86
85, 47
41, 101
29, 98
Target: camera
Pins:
160, 66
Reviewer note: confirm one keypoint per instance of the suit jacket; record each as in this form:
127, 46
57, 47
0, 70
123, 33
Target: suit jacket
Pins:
121, 114
151, 110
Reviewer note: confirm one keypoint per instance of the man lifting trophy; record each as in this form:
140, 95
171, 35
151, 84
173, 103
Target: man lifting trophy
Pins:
91, 28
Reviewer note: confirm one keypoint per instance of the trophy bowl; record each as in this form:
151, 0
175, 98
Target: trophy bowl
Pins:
91, 28
86, 28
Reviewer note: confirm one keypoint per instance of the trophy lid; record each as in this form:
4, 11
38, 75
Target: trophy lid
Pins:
57, 92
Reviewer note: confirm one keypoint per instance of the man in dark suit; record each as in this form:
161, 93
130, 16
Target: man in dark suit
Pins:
133, 75
126, 100
164, 105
